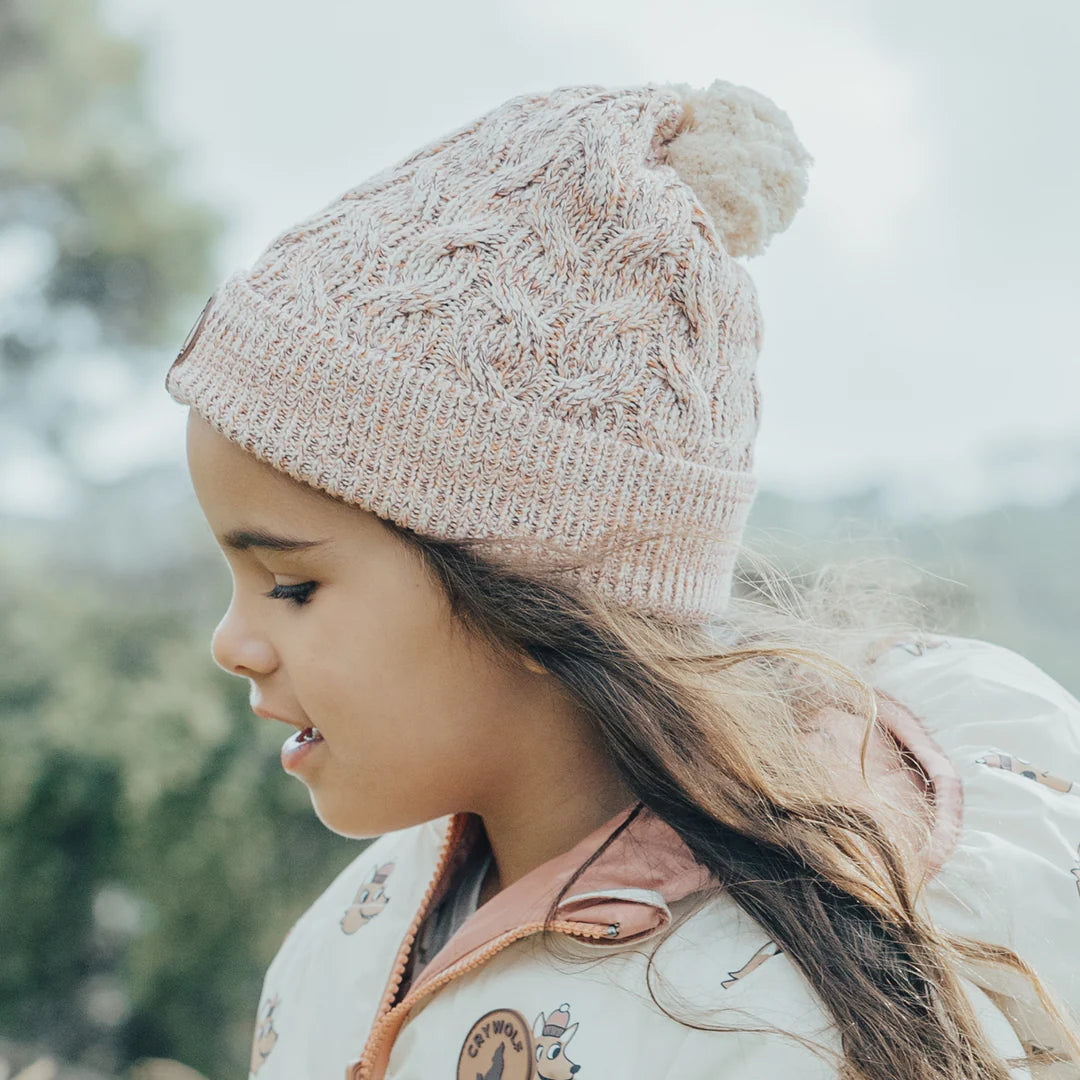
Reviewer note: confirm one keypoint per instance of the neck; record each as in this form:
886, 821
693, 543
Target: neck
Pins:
555, 800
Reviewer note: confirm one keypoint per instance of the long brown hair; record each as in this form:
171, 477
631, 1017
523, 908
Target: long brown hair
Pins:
704, 725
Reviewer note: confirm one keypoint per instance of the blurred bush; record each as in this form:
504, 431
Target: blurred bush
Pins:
152, 851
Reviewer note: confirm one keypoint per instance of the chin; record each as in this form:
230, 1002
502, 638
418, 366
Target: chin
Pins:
356, 824
348, 825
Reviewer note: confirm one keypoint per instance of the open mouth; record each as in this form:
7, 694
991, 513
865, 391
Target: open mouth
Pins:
300, 746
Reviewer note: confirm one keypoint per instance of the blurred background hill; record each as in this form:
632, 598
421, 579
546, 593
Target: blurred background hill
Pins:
152, 853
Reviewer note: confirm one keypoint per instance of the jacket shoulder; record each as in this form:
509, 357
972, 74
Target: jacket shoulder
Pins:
758, 1015
733, 978
1012, 876
969, 691
329, 972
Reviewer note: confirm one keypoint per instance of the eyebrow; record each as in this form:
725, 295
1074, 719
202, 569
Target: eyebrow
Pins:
244, 539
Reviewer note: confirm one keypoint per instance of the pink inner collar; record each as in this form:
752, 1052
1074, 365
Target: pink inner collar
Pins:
946, 790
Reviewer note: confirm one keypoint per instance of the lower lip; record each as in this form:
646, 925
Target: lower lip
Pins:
296, 750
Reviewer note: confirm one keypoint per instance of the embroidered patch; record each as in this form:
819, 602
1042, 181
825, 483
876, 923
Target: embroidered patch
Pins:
193, 334
265, 1036
553, 1032
770, 948
1025, 768
369, 900
498, 1047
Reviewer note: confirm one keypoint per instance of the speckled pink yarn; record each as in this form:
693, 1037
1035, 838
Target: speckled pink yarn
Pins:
528, 329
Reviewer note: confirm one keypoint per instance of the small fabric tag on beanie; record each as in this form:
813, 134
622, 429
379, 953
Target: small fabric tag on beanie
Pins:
193, 333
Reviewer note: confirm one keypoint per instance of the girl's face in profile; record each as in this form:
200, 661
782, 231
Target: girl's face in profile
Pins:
350, 634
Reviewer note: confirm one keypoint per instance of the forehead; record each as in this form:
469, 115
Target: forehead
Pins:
232, 484
214, 460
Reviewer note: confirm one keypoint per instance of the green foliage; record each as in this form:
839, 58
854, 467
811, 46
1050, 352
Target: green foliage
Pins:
1018, 561
151, 843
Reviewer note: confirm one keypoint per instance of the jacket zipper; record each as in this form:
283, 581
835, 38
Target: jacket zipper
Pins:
389, 1018
397, 972
376, 1055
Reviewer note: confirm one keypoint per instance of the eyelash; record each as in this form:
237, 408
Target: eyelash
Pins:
298, 594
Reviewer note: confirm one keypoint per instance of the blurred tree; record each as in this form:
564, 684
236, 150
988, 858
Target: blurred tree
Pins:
1003, 574
100, 256
153, 854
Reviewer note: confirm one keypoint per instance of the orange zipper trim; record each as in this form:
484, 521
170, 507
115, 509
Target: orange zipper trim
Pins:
372, 1064
397, 972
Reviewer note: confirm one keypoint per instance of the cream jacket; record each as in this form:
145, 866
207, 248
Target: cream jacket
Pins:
997, 741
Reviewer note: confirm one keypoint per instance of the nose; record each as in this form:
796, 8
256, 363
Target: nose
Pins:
239, 649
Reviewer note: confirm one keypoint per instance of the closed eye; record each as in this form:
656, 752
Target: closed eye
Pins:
298, 594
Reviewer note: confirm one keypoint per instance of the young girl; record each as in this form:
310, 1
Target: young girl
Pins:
476, 441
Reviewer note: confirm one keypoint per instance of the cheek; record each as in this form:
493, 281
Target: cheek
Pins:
398, 752
385, 690
414, 716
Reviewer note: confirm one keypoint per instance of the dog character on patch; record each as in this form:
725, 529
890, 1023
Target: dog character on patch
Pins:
265, 1035
552, 1033
770, 948
370, 899
1026, 768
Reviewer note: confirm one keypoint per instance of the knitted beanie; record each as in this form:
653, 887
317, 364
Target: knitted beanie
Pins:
533, 331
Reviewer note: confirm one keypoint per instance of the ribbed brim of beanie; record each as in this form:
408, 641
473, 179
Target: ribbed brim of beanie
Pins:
530, 331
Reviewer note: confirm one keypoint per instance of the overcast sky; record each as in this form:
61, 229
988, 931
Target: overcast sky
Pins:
921, 306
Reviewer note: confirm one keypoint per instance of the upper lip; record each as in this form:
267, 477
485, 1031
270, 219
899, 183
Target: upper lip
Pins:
258, 710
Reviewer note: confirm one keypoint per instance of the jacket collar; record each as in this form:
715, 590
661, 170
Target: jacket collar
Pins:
625, 891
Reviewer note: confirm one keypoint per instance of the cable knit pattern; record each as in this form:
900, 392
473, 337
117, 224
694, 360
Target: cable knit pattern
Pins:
529, 329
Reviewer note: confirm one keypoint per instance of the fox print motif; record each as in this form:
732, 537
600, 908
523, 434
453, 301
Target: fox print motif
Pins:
370, 899
1025, 768
770, 948
553, 1032
265, 1035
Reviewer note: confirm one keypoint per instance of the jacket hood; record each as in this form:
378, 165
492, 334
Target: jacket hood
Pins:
625, 891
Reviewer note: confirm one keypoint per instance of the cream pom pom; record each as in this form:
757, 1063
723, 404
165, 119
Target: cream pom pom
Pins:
739, 153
